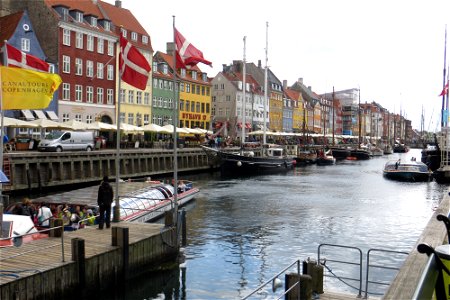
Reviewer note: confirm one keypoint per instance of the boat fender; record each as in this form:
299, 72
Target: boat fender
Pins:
239, 163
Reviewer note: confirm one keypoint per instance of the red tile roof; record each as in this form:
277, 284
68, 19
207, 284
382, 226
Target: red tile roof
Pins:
8, 25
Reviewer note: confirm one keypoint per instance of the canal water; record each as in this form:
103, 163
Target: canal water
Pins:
243, 231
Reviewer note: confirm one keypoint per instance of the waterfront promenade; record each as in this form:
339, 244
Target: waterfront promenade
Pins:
85, 261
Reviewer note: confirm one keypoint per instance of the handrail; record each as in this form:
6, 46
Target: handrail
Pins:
274, 277
345, 262
378, 266
425, 287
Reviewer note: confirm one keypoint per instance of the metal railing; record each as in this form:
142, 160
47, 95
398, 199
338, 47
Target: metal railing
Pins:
273, 281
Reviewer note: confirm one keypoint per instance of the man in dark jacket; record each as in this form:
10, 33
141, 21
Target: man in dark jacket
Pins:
104, 201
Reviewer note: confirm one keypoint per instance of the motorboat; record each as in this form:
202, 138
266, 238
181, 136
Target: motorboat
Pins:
326, 159
406, 171
340, 153
359, 154
272, 160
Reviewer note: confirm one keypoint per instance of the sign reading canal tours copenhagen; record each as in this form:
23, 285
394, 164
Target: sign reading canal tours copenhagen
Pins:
26, 89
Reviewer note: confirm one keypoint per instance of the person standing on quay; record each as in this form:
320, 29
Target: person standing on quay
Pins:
104, 201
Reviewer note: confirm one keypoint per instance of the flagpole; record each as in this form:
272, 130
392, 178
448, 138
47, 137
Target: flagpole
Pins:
116, 213
175, 124
443, 122
5, 63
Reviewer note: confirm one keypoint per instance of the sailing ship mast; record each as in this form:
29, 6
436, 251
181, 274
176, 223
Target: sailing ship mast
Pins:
265, 85
443, 123
243, 99
332, 109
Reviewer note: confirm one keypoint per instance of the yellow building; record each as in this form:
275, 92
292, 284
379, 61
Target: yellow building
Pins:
276, 110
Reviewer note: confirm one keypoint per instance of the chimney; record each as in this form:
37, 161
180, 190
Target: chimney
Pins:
259, 63
284, 84
224, 68
118, 4
170, 48
300, 80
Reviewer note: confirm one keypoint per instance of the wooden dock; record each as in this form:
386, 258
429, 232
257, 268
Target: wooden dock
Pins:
41, 269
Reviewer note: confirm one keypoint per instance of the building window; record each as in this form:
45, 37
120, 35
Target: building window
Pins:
192, 106
155, 82
66, 64
110, 70
122, 96
66, 37
160, 101
194, 75
161, 84
89, 119
183, 73
130, 118
170, 103
197, 107
188, 88
146, 119
66, 91
79, 17
198, 90
110, 96
78, 93
89, 94
134, 36
146, 98
110, 48
107, 25
79, 40
100, 70
65, 117
100, 45
131, 96
124, 32
90, 43
89, 68
138, 97
78, 66
144, 39
25, 44
204, 77
100, 95
78, 117
122, 117
94, 21
154, 101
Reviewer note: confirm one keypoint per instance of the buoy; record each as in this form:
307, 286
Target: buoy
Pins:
239, 163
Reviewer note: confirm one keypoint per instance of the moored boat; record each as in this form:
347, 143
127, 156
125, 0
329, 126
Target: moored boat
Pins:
359, 154
306, 157
246, 163
15, 226
340, 153
326, 159
406, 171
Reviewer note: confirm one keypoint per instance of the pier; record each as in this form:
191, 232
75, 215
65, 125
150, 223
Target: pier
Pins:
30, 170
84, 262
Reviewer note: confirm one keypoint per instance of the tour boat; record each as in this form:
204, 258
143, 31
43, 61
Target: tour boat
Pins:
150, 203
406, 171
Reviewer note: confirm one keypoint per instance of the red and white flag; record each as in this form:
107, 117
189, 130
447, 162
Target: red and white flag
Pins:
17, 58
445, 90
187, 54
134, 67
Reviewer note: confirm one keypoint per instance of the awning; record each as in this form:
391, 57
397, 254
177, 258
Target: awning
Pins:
40, 114
27, 114
51, 114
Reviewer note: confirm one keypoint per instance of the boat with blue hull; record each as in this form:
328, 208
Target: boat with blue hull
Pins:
407, 171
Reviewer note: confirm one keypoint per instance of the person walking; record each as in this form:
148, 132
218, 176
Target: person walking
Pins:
43, 216
104, 201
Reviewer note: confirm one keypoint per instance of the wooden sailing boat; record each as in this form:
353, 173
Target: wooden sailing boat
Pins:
272, 159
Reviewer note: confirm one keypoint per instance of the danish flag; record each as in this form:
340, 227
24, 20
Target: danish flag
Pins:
187, 54
134, 67
17, 58
445, 90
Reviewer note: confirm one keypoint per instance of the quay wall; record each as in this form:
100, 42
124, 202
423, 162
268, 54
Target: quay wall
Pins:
104, 265
29, 170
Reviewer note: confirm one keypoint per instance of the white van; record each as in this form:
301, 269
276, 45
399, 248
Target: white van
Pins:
67, 141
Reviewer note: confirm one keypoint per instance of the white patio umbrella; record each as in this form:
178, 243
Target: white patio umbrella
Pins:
102, 126
11, 122
128, 128
193, 130
49, 124
154, 128
77, 125
179, 130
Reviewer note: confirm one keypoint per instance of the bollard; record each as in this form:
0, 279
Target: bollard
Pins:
300, 284
120, 238
58, 231
312, 268
78, 256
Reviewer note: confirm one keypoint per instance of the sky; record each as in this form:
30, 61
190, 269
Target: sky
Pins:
393, 51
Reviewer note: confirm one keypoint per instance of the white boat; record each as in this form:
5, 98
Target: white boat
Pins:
14, 226
150, 203
407, 171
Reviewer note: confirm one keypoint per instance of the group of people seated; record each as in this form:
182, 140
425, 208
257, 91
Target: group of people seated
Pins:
73, 216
